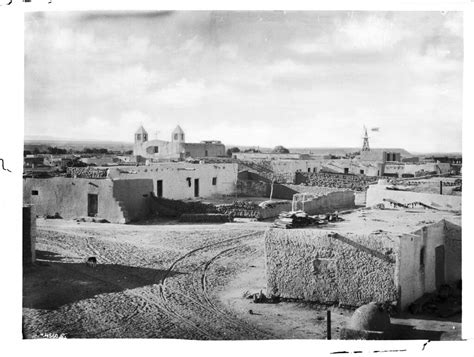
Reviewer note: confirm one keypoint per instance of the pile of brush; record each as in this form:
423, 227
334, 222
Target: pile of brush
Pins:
298, 219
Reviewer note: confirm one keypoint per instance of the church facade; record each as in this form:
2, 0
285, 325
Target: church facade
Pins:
176, 149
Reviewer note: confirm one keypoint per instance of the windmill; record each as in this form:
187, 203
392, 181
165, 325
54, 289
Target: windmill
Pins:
365, 145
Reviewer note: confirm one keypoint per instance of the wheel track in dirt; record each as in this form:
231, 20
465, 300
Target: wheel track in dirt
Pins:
230, 318
163, 287
149, 301
230, 321
166, 310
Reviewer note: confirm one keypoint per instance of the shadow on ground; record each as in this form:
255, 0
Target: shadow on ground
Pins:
406, 332
51, 283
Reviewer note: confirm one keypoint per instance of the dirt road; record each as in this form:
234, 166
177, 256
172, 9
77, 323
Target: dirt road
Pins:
150, 282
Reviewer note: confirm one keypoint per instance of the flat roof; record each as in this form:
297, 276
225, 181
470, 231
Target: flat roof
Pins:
396, 221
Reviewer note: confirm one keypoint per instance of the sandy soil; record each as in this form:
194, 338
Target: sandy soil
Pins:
165, 281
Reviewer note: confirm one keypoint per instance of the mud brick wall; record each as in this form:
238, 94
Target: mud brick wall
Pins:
311, 265
329, 202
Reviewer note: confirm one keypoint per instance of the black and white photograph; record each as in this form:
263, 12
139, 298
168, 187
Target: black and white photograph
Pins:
242, 175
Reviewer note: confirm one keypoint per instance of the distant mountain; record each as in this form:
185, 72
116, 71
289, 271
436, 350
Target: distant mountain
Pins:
77, 145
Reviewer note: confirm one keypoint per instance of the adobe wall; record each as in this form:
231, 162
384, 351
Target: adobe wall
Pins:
376, 194
199, 149
29, 234
309, 264
175, 178
134, 197
453, 245
416, 279
282, 167
329, 202
251, 188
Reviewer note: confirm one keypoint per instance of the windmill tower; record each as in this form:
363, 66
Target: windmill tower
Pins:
365, 145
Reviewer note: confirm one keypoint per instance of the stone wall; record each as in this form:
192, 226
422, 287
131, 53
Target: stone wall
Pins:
352, 182
86, 172
313, 265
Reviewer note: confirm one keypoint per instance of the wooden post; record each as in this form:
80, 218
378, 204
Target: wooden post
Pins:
328, 320
441, 187
271, 189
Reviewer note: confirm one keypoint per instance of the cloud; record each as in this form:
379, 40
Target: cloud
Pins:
353, 35
293, 79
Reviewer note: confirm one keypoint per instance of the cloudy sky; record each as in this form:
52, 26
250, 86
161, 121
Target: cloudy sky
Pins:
298, 79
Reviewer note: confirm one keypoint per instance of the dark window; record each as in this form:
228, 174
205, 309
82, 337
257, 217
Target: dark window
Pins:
205, 153
214, 181
155, 149
346, 170
309, 169
144, 137
34, 193
361, 172
175, 136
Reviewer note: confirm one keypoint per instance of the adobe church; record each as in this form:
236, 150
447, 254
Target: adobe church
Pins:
177, 149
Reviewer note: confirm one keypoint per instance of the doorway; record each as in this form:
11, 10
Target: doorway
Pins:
159, 188
196, 187
92, 204
439, 266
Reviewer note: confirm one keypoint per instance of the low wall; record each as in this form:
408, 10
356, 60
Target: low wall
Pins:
251, 188
310, 264
270, 212
377, 193
329, 202
263, 188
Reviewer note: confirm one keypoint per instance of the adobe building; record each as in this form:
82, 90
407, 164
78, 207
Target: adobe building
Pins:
176, 149
387, 195
122, 194
373, 255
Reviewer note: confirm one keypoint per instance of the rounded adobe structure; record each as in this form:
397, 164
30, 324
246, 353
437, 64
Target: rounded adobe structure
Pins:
369, 317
